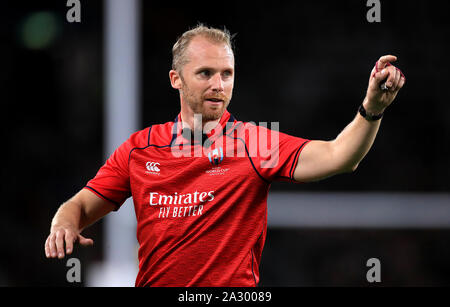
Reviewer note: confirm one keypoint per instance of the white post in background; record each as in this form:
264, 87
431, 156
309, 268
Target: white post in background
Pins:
122, 87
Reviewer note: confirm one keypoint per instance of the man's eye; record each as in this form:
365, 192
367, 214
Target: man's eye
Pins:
205, 73
227, 73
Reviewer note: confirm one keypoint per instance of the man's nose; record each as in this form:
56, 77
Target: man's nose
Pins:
217, 83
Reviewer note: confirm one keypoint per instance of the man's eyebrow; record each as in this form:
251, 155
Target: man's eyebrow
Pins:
201, 68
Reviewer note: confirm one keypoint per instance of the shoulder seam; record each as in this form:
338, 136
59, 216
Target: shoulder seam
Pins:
148, 144
149, 132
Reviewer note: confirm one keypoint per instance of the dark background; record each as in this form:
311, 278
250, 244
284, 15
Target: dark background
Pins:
304, 64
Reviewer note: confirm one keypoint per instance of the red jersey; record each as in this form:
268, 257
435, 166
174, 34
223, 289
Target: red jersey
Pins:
201, 204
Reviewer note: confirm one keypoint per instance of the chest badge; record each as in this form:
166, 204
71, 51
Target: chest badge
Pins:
216, 156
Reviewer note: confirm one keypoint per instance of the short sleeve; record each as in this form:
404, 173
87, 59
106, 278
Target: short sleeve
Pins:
278, 154
112, 181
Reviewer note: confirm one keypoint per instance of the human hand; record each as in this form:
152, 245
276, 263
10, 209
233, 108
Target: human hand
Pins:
378, 97
61, 236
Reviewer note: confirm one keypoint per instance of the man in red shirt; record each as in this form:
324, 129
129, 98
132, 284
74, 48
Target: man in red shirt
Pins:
200, 183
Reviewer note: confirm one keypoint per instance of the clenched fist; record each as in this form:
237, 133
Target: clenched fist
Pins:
384, 83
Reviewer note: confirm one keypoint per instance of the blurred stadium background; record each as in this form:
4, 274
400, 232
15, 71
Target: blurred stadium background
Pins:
303, 64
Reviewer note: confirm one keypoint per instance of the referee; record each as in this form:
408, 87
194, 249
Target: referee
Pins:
200, 182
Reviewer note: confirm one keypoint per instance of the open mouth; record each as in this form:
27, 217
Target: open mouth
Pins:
214, 100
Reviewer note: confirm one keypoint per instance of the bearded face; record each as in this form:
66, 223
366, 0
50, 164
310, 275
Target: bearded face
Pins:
210, 104
206, 79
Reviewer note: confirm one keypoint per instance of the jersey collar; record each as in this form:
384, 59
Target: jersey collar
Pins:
179, 134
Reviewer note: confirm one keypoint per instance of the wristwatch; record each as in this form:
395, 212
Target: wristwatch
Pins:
370, 117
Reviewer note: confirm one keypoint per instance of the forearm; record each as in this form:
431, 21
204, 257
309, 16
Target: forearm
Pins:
354, 142
69, 214
82, 210
322, 159
71, 218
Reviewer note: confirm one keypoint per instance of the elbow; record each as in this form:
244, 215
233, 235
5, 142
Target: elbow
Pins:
350, 168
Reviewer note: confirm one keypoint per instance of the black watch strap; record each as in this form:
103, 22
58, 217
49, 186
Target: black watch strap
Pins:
368, 116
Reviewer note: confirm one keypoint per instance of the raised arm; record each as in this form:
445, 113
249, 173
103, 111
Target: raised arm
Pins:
72, 217
321, 159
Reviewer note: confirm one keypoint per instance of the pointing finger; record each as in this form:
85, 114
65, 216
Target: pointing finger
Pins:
382, 63
385, 60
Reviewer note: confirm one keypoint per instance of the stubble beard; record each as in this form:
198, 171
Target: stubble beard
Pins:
196, 103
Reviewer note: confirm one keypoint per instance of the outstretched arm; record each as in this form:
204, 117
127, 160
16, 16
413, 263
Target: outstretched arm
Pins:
321, 159
72, 217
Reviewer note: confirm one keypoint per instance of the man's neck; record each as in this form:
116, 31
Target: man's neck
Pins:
195, 122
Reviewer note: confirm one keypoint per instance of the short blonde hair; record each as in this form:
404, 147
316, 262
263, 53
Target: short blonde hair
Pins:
179, 58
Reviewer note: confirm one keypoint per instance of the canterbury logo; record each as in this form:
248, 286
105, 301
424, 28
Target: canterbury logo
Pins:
152, 166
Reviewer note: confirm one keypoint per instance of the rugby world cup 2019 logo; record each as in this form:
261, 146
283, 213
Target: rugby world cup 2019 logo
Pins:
216, 156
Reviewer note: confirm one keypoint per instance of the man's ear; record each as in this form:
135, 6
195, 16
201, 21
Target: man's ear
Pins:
175, 79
